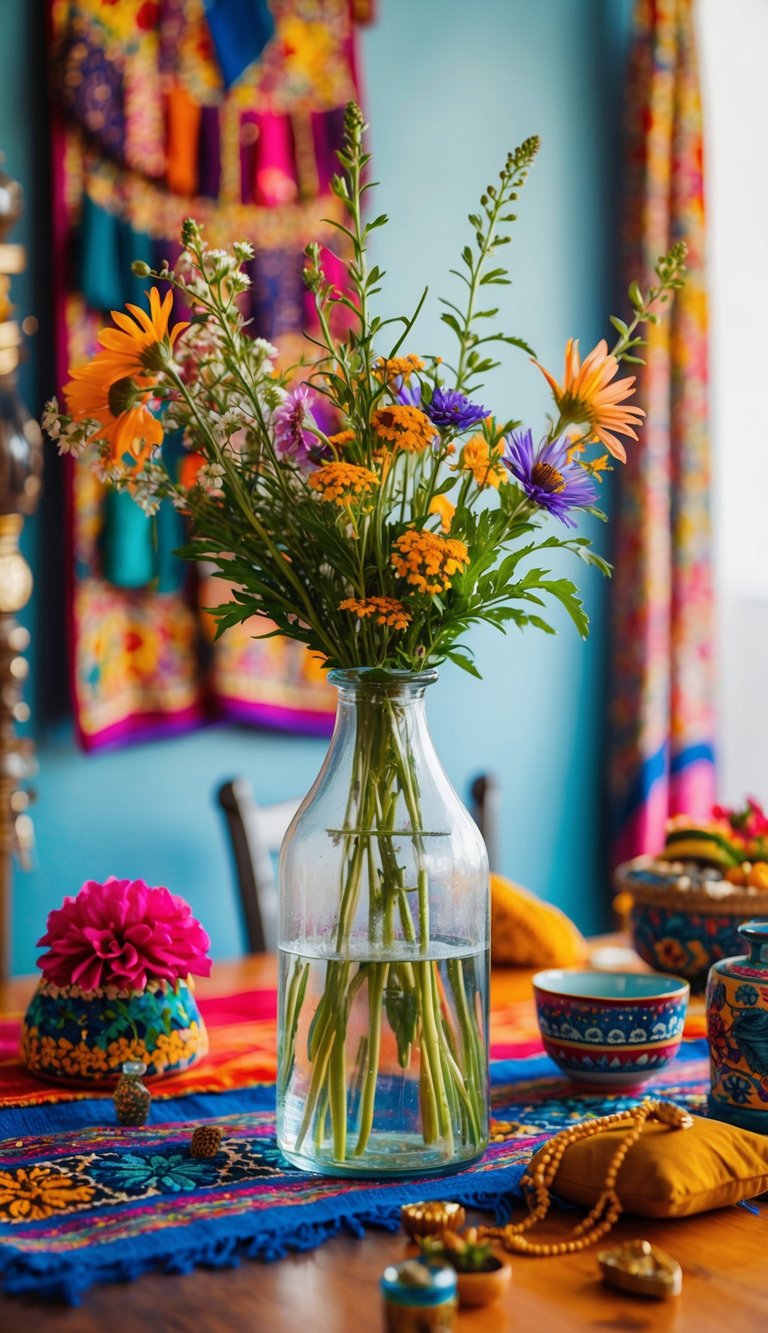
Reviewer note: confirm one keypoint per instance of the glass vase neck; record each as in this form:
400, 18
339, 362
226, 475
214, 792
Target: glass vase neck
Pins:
380, 683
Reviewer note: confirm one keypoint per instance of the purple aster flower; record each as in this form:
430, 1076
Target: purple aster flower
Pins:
407, 392
547, 475
452, 411
292, 438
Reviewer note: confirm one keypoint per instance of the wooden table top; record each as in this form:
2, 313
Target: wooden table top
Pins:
334, 1288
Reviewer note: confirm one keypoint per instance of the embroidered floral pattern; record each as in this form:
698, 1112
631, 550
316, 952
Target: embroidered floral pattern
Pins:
161, 1173
34, 1194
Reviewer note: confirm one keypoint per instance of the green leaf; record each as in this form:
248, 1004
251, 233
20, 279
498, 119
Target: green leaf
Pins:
543, 625
460, 660
567, 595
402, 1014
452, 323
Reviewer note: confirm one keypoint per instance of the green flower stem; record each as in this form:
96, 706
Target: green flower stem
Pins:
377, 981
431, 1043
471, 1038
337, 1086
321, 1120
294, 1000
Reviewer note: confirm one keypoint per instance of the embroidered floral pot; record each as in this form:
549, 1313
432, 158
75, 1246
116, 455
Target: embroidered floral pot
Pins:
71, 1035
737, 1030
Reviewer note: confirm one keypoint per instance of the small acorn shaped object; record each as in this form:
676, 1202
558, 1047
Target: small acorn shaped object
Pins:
131, 1097
206, 1141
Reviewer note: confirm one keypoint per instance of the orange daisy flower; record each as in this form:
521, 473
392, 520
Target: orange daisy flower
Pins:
405, 427
428, 561
125, 421
386, 610
587, 395
140, 344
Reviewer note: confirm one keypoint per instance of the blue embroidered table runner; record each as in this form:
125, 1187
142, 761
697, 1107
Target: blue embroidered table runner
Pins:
84, 1201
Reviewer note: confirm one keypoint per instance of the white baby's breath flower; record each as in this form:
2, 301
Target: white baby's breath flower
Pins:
108, 472
243, 251
209, 477
51, 422
73, 438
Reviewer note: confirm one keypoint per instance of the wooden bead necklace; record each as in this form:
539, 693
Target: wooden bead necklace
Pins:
605, 1212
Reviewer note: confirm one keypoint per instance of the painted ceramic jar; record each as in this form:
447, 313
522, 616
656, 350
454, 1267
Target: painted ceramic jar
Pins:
737, 1030
75, 1036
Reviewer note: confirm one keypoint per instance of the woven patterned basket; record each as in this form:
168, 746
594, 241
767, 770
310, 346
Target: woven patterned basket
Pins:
685, 931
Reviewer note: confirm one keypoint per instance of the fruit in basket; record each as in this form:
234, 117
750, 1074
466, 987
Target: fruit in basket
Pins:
709, 843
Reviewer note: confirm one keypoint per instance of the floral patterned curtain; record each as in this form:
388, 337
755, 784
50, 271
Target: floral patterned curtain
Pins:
661, 712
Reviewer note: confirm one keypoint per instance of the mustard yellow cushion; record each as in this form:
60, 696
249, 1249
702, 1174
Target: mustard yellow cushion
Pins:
530, 933
669, 1172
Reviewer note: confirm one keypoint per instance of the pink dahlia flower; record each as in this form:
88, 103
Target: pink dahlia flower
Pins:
123, 933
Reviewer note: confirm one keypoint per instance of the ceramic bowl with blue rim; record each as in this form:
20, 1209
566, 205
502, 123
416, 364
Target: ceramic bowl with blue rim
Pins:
610, 1029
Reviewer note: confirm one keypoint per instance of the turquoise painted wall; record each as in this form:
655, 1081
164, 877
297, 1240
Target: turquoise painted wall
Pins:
449, 88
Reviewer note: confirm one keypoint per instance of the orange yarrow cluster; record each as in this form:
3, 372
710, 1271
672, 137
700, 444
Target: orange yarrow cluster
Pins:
404, 427
385, 610
428, 561
342, 482
341, 439
391, 368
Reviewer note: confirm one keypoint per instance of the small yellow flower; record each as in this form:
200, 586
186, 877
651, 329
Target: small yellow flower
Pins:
386, 610
342, 482
404, 427
428, 561
477, 458
595, 466
397, 367
440, 504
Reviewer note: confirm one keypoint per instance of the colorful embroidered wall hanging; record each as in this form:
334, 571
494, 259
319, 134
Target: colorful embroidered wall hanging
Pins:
230, 111
662, 722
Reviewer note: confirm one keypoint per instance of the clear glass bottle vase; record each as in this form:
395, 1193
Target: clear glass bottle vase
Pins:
384, 950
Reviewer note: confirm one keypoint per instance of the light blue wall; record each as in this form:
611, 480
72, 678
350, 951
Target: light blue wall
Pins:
450, 86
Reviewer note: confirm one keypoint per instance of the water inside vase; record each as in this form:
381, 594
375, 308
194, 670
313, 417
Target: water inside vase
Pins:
382, 1067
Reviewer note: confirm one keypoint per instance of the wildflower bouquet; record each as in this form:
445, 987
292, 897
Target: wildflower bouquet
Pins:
369, 504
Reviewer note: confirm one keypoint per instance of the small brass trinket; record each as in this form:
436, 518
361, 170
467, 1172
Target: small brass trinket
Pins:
206, 1141
642, 1269
431, 1217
